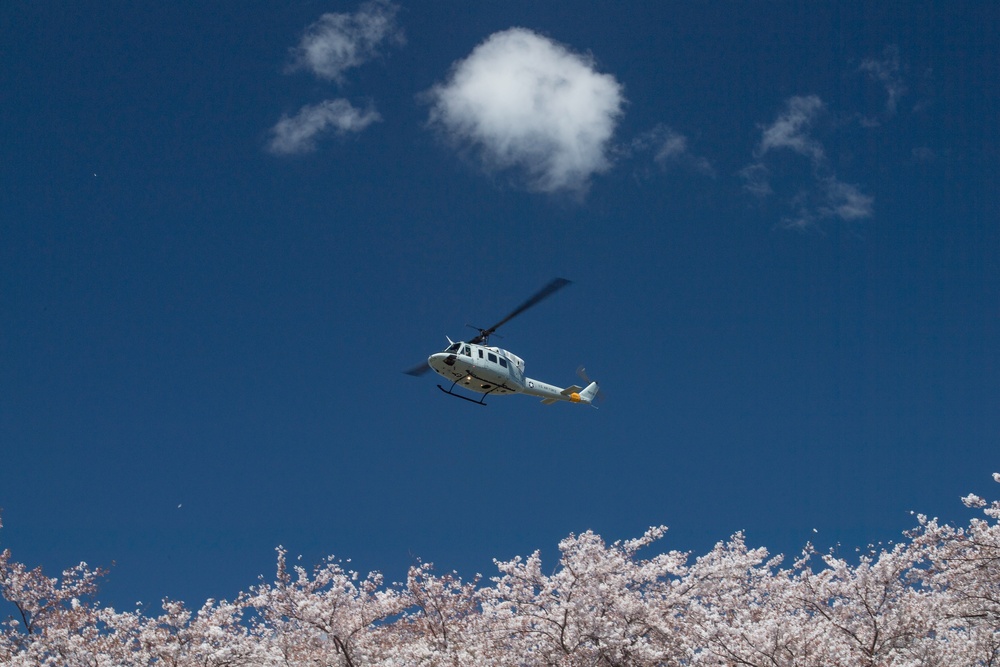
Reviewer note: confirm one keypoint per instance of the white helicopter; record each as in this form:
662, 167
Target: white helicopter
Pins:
487, 370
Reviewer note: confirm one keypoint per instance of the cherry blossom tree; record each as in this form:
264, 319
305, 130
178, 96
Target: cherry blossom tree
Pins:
328, 616
933, 599
56, 619
600, 606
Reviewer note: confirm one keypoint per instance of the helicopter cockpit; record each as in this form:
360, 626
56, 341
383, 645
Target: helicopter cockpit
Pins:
459, 348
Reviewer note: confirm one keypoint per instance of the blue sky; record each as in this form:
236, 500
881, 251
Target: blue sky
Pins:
226, 230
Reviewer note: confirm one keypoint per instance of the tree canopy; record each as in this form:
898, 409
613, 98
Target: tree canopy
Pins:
933, 598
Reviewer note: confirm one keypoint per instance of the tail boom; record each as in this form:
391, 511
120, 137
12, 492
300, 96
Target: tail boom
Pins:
550, 394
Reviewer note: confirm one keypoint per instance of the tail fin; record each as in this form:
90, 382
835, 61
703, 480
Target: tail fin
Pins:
589, 393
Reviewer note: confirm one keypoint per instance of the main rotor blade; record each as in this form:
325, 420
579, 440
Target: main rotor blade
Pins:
545, 292
417, 371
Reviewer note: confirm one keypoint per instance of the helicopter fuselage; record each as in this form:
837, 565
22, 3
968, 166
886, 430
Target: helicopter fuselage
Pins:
491, 370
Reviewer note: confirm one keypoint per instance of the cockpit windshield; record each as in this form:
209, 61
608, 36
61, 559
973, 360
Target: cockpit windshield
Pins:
454, 347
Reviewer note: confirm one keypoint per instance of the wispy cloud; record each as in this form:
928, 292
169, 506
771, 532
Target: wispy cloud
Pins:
525, 103
675, 151
819, 196
338, 42
844, 201
792, 129
886, 72
757, 180
922, 155
329, 47
293, 135
670, 148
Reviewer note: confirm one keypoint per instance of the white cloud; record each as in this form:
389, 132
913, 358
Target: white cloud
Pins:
675, 151
299, 133
338, 42
524, 102
791, 129
844, 201
817, 193
828, 198
673, 145
329, 47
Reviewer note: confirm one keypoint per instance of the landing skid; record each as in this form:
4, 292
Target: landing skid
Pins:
465, 398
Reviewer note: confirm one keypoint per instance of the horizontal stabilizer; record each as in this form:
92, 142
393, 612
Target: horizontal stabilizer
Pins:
548, 401
573, 389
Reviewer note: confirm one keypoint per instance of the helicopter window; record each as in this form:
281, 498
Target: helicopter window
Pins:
466, 352
492, 357
503, 362
480, 354
454, 347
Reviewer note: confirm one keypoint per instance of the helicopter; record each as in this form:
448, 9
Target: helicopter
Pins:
484, 369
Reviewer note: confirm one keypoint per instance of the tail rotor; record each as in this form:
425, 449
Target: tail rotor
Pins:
582, 373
